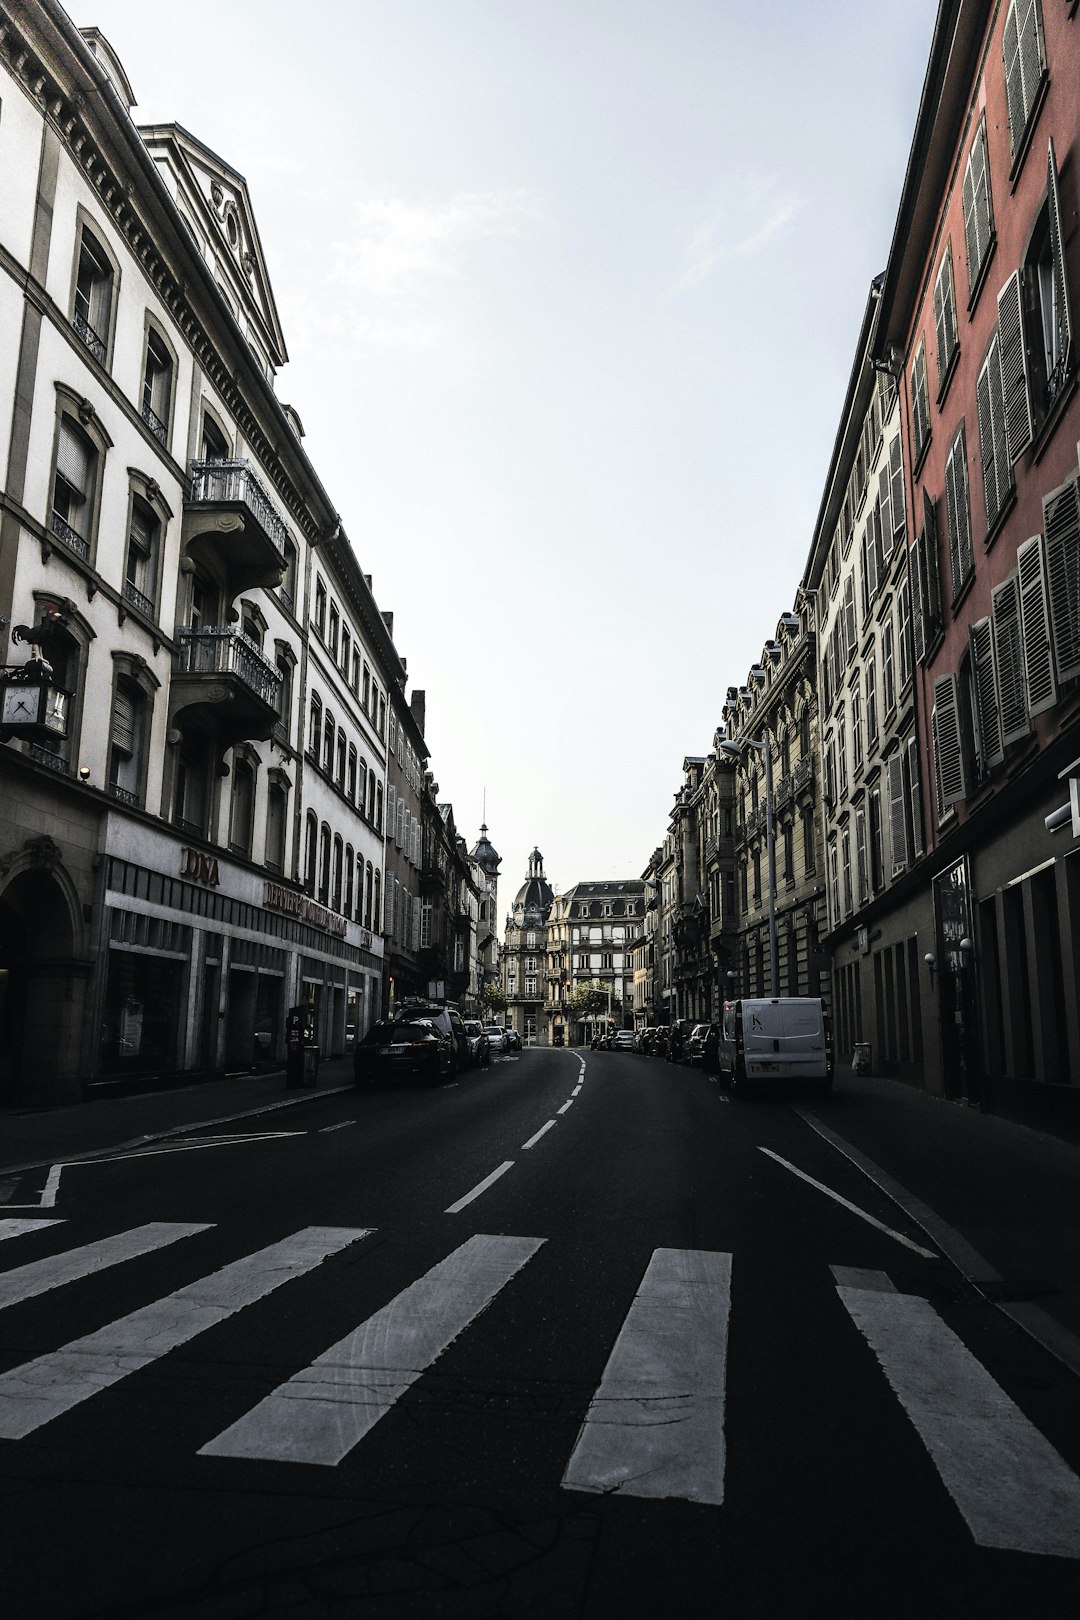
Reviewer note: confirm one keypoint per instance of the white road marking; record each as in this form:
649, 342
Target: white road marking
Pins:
534, 1139
565, 1106
44, 1388
655, 1426
927, 1254
188, 1147
576, 1089
319, 1415
16, 1228
480, 1187
1011, 1486
855, 1277
340, 1126
40, 1276
48, 1192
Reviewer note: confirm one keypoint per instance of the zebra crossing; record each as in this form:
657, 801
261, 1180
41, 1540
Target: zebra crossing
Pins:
654, 1427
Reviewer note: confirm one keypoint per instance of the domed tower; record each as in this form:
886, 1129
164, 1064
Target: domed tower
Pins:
525, 952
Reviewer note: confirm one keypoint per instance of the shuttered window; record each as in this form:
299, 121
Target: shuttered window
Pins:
1054, 291
948, 750
1016, 390
914, 797
978, 210
997, 473
1061, 513
1035, 627
945, 319
920, 402
958, 513
123, 720
1009, 661
850, 623
896, 481
1025, 65
925, 583
990, 746
886, 536
898, 841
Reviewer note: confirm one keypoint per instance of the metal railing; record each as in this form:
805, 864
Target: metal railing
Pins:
216, 483
93, 340
153, 421
71, 537
228, 652
133, 595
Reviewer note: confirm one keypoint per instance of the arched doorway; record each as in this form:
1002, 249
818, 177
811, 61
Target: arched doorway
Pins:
42, 985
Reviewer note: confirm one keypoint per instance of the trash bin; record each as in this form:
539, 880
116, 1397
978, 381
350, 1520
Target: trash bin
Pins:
860, 1058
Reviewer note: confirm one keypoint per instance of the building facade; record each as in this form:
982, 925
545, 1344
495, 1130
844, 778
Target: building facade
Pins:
524, 957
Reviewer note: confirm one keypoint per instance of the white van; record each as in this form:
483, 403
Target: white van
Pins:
786, 1038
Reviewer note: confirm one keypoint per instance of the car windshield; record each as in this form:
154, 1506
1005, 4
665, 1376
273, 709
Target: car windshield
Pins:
492, 1029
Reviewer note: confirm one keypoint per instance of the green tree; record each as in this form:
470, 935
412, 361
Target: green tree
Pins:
589, 1000
493, 998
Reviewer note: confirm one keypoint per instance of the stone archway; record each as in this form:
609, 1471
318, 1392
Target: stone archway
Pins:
42, 981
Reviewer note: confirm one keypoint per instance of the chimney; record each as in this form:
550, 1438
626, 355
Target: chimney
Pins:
388, 620
418, 706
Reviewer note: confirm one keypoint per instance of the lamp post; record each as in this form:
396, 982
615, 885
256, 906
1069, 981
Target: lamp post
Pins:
734, 751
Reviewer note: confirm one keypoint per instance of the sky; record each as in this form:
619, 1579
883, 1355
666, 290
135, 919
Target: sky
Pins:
571, 291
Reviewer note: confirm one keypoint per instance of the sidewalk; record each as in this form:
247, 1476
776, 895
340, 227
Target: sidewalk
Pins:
1000, 1199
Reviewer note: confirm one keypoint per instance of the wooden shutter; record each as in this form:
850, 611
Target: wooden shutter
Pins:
914, 793
918, 619
1061, 286
1009, 661
920, 404
391, 809
850, 622
872, 543
1061, 513
897, 816
123, 721
978, 213
1019, 426
944, 317
987, 704
896, 479
885, 528
948, 746
959, 512
1035, 627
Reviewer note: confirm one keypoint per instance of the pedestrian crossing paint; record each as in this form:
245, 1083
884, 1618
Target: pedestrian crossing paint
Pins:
324, 1411
16, 1226
42, 1389
655, 1426
1013, 1489
39, 1276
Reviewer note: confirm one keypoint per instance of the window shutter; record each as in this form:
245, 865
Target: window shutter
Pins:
948, 750
850, 624
1035, 627
944, 317
959, 512
1009, 661
914, 793
1061, 287
1019, 427
1014, 79
897, 818
978, 214
123, 721
987, 704
391, 806
918, 622
872, 543
73, 458
860, 855
1061, 514
896, 478
920, 405
885, 528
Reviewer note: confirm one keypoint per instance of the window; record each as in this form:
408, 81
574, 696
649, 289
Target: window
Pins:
978, 212
925, 576
325, 847
1035, 326
339, 858
958, 513
888, 673
192, 792
1061, 523
346, 648
128, 738
949, 761
903, 633
808, 839
871, 703
369, 884
320, 607
920, 403
1025, 66
214, 446
141, 568
341, 757
284, 664
334, 632
861, 869
311, 852
314, 746
350, 879
95, 288
277, 806
376, 903
350, 789
242, 809
856, 730
997, 472
157, 385
948, 344
328, 744
74, 488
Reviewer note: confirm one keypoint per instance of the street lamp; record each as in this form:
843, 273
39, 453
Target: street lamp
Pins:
734, 750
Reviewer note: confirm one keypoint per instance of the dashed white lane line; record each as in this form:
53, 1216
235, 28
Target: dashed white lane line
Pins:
575, 1091
927, 1254
565, 1106
541, 1132
480, 1187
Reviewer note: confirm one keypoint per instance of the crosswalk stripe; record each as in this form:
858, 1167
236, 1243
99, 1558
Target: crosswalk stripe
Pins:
15, 1226
42, 1389
1011, 1486
319, 1415
39, 1276
655, 1426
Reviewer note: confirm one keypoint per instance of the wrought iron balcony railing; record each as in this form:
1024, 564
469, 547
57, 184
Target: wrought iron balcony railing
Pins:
153, 421
233, 483
71, 537
93, 340
133, 595
228, 652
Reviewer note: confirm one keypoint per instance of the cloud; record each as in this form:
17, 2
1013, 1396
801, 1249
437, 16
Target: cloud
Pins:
754, 217
391, 278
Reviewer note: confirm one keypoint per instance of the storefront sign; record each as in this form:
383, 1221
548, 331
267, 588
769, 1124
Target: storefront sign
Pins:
203, 868
278, 898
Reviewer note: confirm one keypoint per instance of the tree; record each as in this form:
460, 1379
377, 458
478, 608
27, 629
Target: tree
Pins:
493, 999
589, 1000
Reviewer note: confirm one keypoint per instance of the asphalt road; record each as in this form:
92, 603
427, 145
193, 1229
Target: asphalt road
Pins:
575, 1336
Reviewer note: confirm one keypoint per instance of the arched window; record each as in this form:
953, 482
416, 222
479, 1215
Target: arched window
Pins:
324, 865
361, 792
328, 744
378, 806
368, 882
376, 904
315, 726
341, 760
371, 797
311, 851
351, 788
242, 810
335, 894
350, 879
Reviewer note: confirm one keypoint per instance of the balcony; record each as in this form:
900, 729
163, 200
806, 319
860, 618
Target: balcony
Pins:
223, 685
231, 524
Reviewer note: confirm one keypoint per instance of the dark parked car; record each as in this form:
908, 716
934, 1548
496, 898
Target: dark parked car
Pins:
513, 1040
703, 1045
678, 1035
479, 1045
405, 1048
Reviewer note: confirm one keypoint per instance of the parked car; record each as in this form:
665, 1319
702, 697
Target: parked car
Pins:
479, 1045
703, 1045
513, 1039
409, 1046
678, 1035
785, 1038
496, 1035
622, 1040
